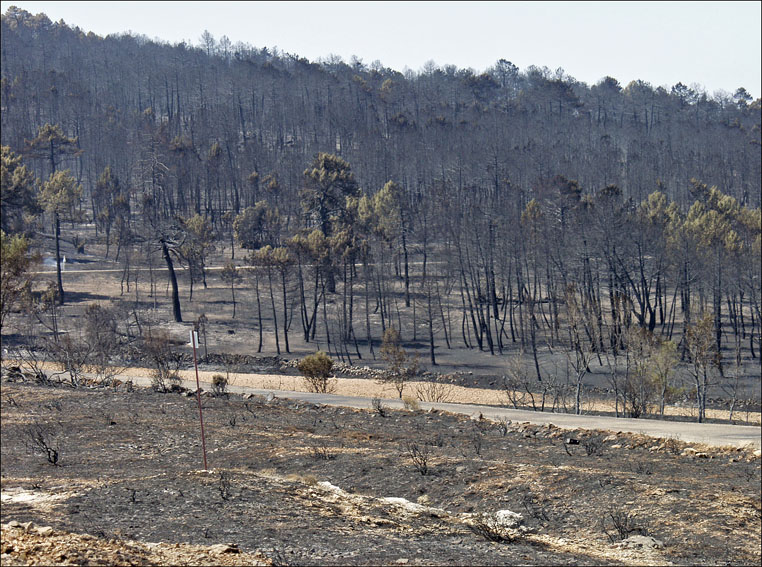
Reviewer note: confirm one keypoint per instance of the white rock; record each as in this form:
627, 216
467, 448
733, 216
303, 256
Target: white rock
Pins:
45, 531
224, 548
412, 507
331, 487
508, 519
404, 503
641, 541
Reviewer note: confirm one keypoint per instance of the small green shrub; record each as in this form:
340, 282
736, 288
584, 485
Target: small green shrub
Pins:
316, 368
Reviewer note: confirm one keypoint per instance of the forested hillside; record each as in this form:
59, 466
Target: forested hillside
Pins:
505, 211
222, 112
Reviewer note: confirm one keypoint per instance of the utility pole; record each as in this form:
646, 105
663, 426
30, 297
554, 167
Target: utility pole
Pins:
194, 342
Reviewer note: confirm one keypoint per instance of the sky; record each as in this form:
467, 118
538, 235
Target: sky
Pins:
716, 46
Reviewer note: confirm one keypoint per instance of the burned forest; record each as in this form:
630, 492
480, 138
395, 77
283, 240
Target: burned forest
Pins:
569, 239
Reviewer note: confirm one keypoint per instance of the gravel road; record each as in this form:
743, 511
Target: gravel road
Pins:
716, 435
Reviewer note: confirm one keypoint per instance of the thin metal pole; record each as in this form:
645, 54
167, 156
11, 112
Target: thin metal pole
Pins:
198, 396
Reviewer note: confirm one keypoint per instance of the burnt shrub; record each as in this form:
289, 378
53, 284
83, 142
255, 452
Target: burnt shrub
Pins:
165, 374
219, 385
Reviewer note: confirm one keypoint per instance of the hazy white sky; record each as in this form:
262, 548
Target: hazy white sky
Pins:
716, 45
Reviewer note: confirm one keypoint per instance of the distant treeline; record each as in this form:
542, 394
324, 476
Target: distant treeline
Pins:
207, 123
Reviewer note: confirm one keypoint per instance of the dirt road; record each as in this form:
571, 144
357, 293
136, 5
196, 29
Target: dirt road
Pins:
717, 435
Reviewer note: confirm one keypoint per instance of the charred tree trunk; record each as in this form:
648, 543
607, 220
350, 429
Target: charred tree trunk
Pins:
59, 278
172, 280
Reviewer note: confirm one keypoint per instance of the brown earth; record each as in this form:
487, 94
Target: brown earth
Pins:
295, 483
27, 544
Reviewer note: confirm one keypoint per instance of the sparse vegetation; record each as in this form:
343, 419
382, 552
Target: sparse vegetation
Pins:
320, 450
496, 527
620, 524
41, 439
401, 367
224, 485
165, 359
434, 391
378, 406
419, 454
